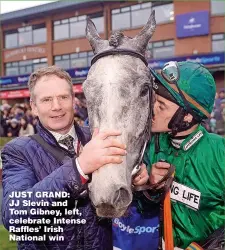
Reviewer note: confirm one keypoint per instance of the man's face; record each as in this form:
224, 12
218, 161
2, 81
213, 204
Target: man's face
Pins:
53, 103
163, 112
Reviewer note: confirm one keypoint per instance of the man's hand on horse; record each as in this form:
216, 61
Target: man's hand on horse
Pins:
102, 149
158, 171
141, 177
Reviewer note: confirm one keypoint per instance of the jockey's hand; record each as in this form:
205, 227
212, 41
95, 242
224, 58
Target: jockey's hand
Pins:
158, 171
141, 177
102, 149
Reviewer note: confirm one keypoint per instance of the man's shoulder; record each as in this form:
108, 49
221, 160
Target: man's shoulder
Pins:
215, 140
22, 143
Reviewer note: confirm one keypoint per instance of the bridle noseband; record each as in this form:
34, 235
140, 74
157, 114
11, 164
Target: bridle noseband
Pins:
147, 131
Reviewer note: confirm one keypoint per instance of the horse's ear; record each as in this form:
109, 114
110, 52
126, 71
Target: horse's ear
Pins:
93, 37
141, 40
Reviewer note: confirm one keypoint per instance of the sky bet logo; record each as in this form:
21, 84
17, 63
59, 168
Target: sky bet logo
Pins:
137, 230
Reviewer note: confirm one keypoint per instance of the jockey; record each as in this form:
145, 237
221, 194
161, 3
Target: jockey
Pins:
184, 98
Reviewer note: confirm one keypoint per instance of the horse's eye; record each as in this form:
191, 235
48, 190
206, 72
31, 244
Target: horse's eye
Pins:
144, 90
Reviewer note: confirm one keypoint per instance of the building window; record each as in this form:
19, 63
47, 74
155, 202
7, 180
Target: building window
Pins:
162, 49
25, 36
75, 60
11, 39
137, 15
61, 29
39, 34
218, 43
24, 67
164, 13
217, 7
75, 26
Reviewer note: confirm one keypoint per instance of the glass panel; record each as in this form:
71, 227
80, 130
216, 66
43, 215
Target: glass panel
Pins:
23, 63
15, 64
36, 60
57, 58
115, 11
121, 21
217, 36
56, 22
25, 70
65, 57
163, 13
218, 46
125, 9
11, 40
146, 5
43, 60
99, 23
135, 7
139, 17
79, 63
25, 38
64, 21
12, 71
61, 31
21, 29
39, 65
77, 29
169, 42
8, 64
83, 54
157, 44
149, 45
73, 19
89, 61
74, 55
64, 64
39, 35
217, 7
28, 28
82, 18
163, 52
90, 53
22, 70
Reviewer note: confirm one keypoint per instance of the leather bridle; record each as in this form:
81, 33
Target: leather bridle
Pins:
147, 130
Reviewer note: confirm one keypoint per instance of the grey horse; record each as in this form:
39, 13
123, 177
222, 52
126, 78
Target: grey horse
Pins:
116, 90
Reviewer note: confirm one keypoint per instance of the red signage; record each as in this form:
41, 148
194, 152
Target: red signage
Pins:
23, 93
14, 94
77, 88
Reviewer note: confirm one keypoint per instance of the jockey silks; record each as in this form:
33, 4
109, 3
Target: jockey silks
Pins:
197, 192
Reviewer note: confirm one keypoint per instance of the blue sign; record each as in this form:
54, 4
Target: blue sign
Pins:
78, 73
192, 24
207, 59
23, 79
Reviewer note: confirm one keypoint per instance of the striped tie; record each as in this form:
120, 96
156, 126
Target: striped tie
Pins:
68, 142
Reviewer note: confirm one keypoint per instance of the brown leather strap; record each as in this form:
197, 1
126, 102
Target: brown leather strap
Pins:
166, 179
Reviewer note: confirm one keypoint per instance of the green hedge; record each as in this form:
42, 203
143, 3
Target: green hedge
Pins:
5, 244
4, 140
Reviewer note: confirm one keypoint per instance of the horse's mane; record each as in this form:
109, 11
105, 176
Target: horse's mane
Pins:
116, 39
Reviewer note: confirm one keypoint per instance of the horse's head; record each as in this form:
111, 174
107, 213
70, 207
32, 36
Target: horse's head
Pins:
117, 92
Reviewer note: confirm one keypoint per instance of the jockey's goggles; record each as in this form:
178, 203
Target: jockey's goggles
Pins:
171, 74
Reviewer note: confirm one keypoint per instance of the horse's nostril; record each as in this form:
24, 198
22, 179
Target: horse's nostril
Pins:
121, 197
